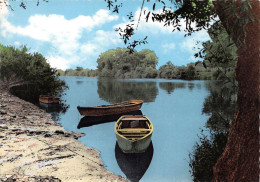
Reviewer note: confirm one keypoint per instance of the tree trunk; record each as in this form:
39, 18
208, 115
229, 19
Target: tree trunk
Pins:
240, 159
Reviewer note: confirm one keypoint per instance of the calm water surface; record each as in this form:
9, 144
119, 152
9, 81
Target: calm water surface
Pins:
174, 107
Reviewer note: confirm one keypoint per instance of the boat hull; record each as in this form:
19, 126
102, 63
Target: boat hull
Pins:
49, 99
138, 146
109, 110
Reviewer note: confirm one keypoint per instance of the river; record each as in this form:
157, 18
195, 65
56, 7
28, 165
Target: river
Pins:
174, 107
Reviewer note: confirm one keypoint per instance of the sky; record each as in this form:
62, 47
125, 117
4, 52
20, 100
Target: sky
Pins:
71, 33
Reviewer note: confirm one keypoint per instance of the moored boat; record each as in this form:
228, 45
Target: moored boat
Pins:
134, 133
49, 99
122, 107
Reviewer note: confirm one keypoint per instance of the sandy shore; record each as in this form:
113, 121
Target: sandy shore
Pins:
35, 148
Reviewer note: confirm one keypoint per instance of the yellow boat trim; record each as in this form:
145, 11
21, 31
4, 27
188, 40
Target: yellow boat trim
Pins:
150, 124
119, 104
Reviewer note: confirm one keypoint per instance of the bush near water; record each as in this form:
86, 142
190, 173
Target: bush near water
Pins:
27, 75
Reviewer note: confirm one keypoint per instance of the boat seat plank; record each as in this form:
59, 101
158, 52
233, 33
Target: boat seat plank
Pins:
139, 119
131, 135
137, 132
134, 130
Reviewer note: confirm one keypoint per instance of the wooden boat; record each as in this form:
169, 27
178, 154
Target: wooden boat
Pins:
134, 133
49, 99
122, 107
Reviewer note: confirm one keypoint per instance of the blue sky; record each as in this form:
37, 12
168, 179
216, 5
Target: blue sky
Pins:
72, 33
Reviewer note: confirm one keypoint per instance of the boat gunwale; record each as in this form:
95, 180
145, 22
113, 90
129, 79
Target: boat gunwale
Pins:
114, 105
47, 96
148, 134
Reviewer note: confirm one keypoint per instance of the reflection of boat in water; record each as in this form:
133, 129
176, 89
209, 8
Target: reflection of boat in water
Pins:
54, 109
134, 165
133, 133
87, 121
127, 106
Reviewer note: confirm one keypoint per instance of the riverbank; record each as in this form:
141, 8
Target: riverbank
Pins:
33, 147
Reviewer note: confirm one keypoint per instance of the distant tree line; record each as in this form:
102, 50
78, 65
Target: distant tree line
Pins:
118, 63
79, 71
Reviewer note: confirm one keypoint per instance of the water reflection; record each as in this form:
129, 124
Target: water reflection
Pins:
220, 105
191, 85
54, 109
170, 86
198, 85
87, 121
134, 165
79, 82
117, 91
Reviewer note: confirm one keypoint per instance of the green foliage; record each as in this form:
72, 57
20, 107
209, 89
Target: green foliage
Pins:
205, 155
219, 54
193, 12
189, 72
118, 63
167, 71
221, 51
27, 75
60, 72
79, 71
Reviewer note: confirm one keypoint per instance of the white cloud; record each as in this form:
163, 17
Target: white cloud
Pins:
3, 10
190, 42
87, 53
56, 28
193, 44
65, 37
143, 26
16, 43
150, 27
58, 62
168, 47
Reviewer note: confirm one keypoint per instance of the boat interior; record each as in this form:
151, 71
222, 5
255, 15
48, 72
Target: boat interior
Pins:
134, 128
126, 103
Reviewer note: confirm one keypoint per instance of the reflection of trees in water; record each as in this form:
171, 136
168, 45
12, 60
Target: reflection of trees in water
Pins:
114, 91
205, 155
170, 86
55, 110
198, 85
79, 82
191, 85
221, 106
